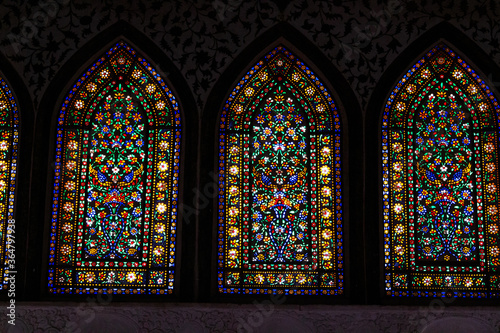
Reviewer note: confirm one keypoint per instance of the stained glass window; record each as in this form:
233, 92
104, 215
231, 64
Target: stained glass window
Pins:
114, 213
280, 191
9, 138
440, 139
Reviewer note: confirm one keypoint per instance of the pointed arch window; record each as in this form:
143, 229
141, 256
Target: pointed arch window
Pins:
9, 139
114, 216
280, 190
440, 142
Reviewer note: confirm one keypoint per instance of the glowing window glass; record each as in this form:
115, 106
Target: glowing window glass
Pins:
115, 185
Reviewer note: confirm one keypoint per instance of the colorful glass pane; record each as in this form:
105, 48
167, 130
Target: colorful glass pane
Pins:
279, 186
115, 186
280, 212
115, 190
440, 135
9, 138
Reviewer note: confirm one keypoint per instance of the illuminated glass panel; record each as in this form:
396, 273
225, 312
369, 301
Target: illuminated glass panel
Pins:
115, 186
440, 182
9, 138
280, 191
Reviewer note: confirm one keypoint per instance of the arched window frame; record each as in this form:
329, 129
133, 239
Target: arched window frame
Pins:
161, 164
241, 103
412, 278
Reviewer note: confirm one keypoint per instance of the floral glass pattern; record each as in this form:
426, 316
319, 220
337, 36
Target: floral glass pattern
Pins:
440, 139
9, 138
280, 187
114, 217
